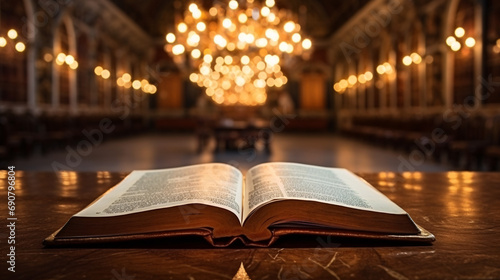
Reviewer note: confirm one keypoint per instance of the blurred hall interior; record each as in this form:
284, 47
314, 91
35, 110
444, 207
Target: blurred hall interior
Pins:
370, 85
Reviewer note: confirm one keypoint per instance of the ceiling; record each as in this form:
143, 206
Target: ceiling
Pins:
319, 18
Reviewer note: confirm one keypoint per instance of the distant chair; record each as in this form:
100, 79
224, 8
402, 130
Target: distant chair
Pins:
470, 142
492, 151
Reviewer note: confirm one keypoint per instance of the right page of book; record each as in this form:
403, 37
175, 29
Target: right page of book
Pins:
276, 181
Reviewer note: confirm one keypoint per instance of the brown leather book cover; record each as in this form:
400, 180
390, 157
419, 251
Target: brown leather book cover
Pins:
424, 236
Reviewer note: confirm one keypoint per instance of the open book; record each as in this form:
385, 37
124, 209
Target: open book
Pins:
215, 201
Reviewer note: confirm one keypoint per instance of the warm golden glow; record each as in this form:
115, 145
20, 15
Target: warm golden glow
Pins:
368, 75
450, 40
233, 4
289, 26
456, 46
237, 50
459, 32
196, 53
48, 57
120, 82
362, 79
69, 59
105, 74
306, 44
337, 87
381, 69
407, 60
178, 49
343, 83
270, 3
20, 47
136, 84
170, 37
126, 77
12, 34
3, 42
470, 42
182, 27
416, 58
74, 65
265, 11
352, 80
61, 58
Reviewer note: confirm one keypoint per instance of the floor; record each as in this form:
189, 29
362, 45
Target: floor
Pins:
171, 150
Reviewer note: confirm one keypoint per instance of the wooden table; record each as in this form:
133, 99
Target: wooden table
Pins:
461, 209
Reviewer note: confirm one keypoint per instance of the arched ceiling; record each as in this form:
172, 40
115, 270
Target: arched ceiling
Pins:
320, 18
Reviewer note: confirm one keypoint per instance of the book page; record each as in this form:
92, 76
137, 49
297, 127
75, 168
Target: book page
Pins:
215, 184
276, 181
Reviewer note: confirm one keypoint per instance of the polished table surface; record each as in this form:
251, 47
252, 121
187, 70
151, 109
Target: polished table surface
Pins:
462, 209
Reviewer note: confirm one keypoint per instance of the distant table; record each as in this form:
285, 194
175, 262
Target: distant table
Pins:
240, 134
461, 208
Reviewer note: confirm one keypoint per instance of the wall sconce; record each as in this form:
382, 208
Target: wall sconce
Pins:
412, 58
352, 80
12, 34
104, 73
125, 80
70, 60
454, 41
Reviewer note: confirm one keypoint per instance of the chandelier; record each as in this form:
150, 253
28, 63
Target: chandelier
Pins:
236, 52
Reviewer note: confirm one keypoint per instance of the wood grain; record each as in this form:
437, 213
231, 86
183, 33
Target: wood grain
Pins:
460, 208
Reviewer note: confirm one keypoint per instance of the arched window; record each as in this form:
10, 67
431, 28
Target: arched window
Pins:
463, 86
62, 67
13, 72
493, 51
84, 71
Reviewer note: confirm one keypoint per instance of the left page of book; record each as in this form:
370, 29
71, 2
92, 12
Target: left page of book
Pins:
214, 184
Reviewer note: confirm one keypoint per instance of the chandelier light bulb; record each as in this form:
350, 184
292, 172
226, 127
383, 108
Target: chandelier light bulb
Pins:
270, 3
3, 42
74, 65
265, 11
226, 23
306, 44
233, 4
126, 77
450, 40
170, 38
178, 49
182, 27
388, 68
289, 26
296, 37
